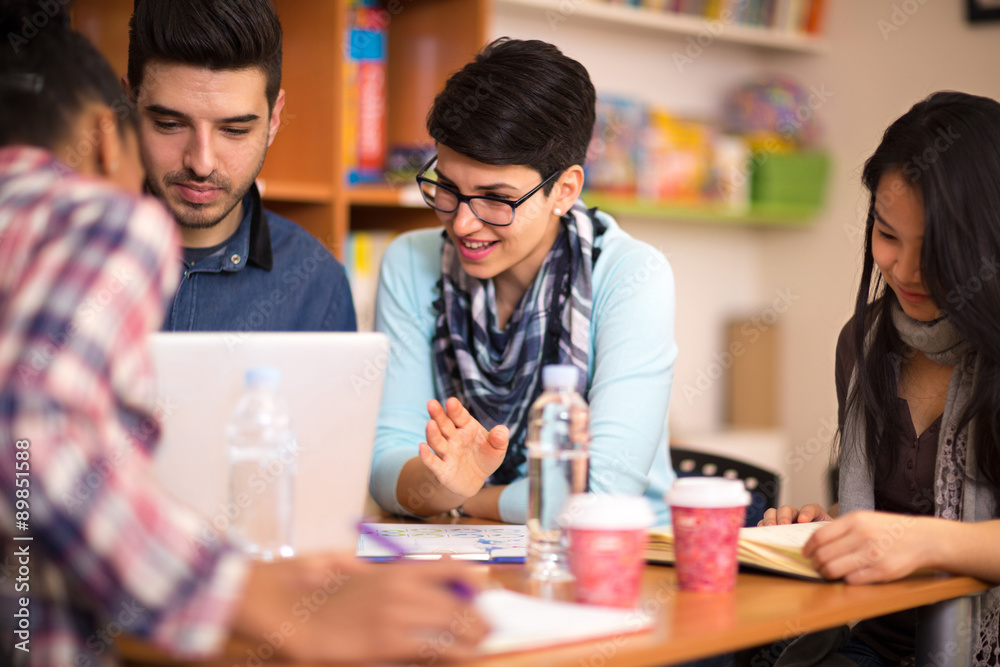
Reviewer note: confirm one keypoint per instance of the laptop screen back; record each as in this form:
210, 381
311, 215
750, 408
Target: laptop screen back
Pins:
332, 386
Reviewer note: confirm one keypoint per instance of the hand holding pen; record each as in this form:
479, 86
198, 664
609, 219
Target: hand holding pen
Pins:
337, 605
458, 587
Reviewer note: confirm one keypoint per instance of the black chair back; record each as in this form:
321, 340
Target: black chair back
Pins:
764, 485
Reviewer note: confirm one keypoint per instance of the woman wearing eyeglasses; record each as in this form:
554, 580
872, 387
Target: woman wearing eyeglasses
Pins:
523, 276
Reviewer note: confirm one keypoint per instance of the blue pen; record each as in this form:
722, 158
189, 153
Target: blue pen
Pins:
456, 586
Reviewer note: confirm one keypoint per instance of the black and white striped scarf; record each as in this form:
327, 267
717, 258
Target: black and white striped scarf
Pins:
497, 374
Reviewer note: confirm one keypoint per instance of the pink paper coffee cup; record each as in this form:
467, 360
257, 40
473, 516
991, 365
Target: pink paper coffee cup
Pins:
607, 540
707, 514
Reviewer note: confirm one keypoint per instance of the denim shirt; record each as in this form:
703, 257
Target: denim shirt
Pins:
272, 275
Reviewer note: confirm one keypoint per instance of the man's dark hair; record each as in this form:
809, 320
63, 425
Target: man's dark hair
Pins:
519, 102
48, 73
215, 34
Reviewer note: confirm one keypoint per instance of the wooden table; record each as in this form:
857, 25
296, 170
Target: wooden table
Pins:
762, 609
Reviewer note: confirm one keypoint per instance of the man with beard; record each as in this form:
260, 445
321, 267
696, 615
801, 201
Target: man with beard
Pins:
206, 79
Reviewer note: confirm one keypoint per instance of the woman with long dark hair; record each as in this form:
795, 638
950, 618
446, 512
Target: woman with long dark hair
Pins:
918, 375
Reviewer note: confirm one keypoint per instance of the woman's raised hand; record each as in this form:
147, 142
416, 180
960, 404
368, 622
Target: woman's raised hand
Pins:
787, 514
459, 451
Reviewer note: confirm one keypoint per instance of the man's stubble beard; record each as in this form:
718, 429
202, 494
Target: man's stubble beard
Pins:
186, 222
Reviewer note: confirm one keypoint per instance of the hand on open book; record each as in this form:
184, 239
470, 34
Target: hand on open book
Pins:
460, 452
787, 514
871, 547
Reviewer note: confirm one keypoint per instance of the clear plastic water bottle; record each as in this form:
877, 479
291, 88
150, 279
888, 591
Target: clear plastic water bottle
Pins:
262, 464
558, 443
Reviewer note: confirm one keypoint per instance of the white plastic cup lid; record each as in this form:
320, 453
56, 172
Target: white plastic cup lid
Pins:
607, 511
268, 377
707, 492
560, 376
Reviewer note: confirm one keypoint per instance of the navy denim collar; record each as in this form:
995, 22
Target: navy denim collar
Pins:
260, 233
250, 243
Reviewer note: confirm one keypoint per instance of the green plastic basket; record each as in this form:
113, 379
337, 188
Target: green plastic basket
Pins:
790, 178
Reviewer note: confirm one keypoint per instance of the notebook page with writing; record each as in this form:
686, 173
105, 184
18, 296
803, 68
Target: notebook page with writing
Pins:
521, 622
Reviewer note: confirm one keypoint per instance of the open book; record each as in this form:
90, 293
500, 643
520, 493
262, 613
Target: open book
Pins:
771, 548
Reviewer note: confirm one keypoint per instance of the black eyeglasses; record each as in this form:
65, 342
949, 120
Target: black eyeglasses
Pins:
491, 210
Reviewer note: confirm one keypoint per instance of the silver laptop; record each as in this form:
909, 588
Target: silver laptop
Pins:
332, 385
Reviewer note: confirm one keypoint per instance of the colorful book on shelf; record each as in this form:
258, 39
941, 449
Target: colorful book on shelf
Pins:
675, 158
776, 549
365, 72
814, 20
713, 9
614, 152
362, 260
692, 7
794, 16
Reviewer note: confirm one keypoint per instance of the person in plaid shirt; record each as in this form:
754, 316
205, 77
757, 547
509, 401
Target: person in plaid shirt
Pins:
92, 547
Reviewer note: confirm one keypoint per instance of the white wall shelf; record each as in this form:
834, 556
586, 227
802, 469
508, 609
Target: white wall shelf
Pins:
559, 12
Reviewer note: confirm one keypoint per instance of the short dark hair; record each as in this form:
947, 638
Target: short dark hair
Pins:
47, 75
215, 34
519, 102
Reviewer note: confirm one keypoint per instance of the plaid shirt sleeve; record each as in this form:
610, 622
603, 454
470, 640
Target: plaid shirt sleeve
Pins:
84, 274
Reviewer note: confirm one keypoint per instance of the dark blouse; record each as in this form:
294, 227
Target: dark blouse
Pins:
908, 488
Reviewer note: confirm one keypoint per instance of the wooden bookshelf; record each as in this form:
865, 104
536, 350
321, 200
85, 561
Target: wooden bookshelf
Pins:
302, 192
381, 195
304, 173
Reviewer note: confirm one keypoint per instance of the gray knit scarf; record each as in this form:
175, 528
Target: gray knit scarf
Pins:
959, 493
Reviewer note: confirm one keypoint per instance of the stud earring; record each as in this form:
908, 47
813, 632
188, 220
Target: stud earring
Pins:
558, 211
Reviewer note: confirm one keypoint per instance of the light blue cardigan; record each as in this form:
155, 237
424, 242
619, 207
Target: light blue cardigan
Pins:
632, 353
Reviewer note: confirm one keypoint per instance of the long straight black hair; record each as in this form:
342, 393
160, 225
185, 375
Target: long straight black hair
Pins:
948, 148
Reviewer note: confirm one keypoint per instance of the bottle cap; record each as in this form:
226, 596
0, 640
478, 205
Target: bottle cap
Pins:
560, 376
266, 377
707, 492
607, 511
